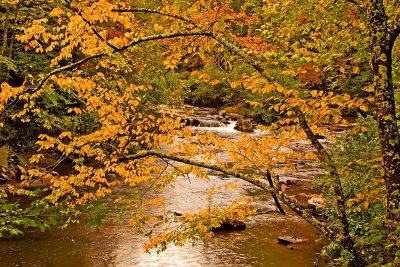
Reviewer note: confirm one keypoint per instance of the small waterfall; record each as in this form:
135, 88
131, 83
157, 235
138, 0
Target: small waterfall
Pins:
211, 123
231, 125
204, 123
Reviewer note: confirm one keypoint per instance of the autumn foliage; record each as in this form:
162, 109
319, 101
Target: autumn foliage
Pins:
308, 61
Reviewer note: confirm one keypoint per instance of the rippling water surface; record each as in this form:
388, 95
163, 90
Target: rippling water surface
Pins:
116, 244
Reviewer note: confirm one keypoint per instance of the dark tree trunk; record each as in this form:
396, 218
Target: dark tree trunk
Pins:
381, 63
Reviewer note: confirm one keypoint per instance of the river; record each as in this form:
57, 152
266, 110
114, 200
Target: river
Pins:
116, 244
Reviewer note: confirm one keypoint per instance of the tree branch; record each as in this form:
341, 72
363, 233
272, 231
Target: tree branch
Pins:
71, 66
34, 89
337, 186
393, 31
231, 47
282, 197
94, 30
303, 122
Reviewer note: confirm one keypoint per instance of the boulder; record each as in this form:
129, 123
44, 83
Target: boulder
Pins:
233, 116
112, 176
222, 114
221, 119
295, 182
43, 182
310, 203
244, 125
11, 172
302, 200
317, 201
283, 186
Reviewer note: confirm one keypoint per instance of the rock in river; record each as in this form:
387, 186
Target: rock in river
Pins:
291, 240
245, 125
230, 226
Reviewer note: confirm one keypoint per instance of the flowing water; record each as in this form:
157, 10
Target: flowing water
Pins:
116, 244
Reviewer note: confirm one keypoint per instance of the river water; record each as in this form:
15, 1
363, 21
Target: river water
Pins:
116, 244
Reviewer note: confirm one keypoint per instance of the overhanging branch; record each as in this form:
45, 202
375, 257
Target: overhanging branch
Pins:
248, 178
71, 66
231, 47
302, 118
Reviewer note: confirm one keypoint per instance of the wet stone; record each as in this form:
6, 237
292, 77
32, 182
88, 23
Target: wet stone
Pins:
230, 226
287, 240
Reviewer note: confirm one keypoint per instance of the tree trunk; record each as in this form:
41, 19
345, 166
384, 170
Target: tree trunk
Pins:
5, 39
12, 37
381, 64
388, 132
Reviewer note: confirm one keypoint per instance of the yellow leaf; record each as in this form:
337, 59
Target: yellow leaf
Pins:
158, 27
350, 202
346, 97
336, 119
56, 12
268, 88
356, 69
255, 104
314, 93
281, 158
215, 82
289, 72
364, 108
65, 134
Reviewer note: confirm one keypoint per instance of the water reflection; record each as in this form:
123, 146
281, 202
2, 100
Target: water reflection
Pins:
116, 244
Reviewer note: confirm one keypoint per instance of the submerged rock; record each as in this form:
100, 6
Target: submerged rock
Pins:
177, 214
230, 226
309, 201
287, 240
